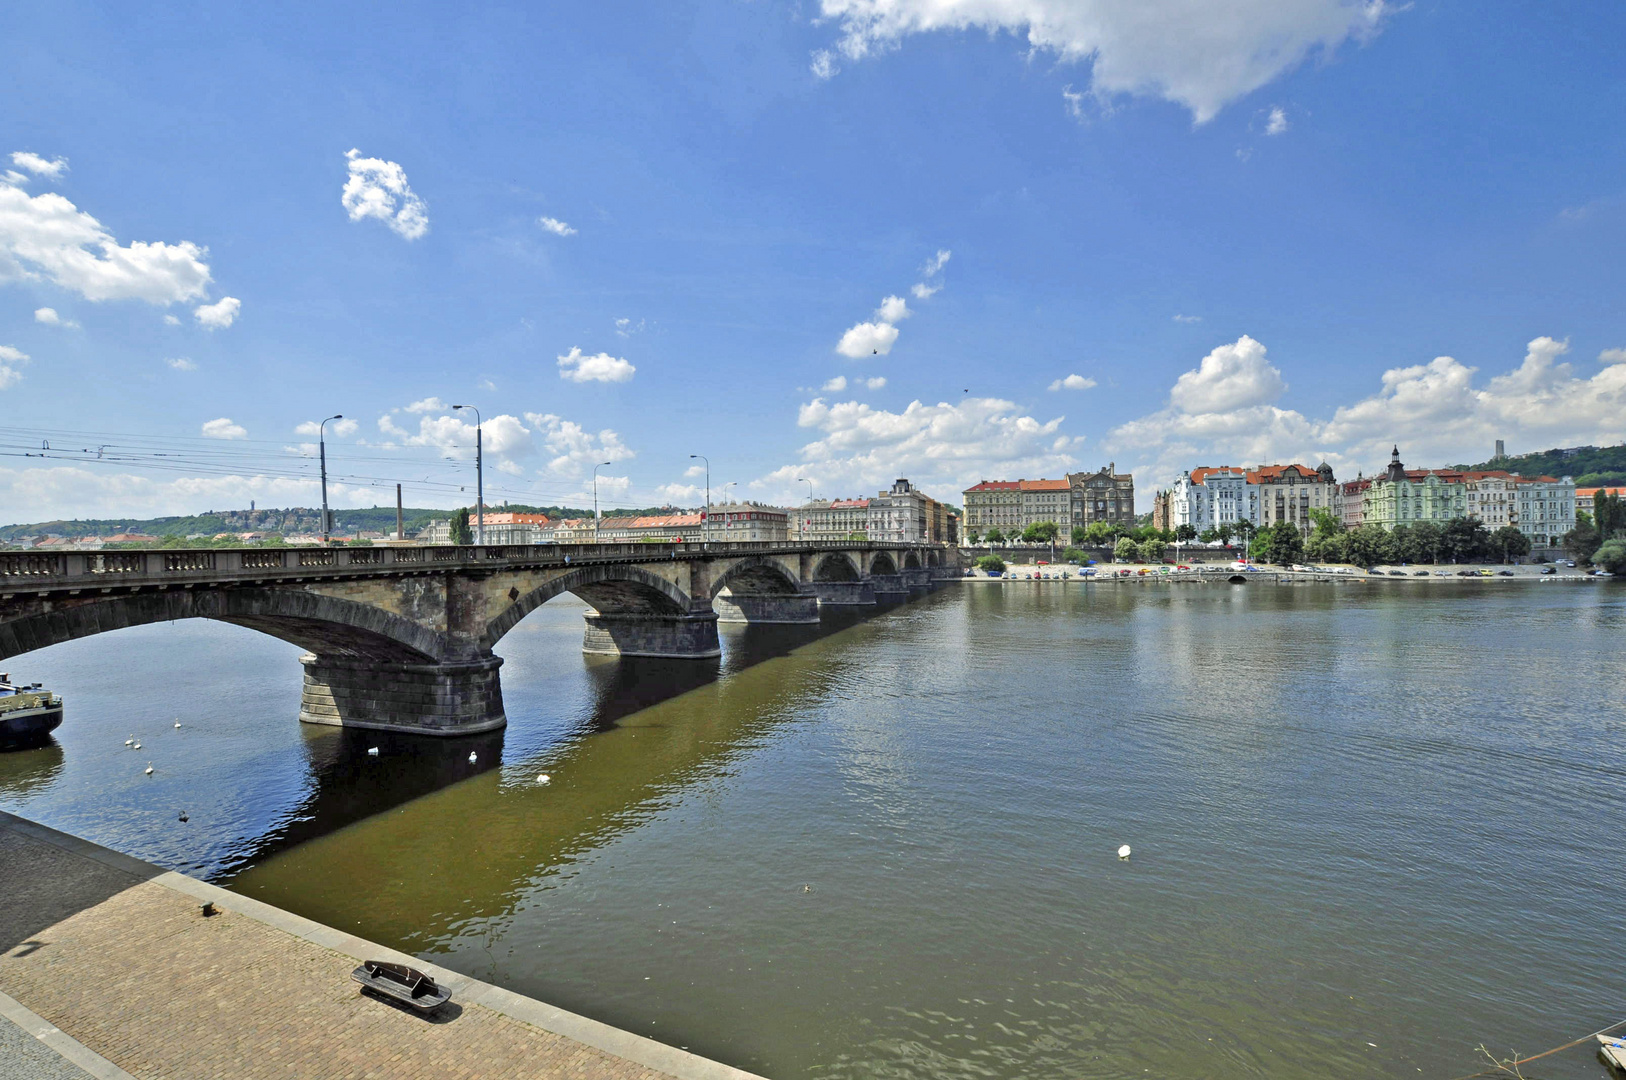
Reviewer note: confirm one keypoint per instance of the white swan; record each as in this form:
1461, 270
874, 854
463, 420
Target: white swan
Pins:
149, 768
1123, 852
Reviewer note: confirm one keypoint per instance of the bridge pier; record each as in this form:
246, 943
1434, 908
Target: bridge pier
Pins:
889, 587
843, 593
419, 699
800, 608
689, 636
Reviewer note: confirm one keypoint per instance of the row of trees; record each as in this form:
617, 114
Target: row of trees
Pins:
1460, 540
1600, 538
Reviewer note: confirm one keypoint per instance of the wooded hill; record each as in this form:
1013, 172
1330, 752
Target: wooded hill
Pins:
1592, 466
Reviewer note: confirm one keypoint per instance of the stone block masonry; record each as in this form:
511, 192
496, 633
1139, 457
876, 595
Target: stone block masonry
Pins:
421, 699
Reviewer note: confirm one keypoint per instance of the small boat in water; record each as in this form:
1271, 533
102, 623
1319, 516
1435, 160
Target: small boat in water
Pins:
1613, 1051
28, 714
401, 983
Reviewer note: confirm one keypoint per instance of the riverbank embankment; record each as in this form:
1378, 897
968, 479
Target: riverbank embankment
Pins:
115, 956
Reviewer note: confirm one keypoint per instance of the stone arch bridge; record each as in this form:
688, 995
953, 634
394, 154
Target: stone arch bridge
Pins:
400, 638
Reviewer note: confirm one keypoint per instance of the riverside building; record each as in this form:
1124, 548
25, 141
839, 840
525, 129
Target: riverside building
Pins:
1208, 497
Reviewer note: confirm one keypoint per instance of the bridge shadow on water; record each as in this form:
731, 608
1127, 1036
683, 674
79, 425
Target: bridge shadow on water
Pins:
350, 783
469, 852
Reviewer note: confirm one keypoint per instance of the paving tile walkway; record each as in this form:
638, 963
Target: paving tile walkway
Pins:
117, 954
23, 1057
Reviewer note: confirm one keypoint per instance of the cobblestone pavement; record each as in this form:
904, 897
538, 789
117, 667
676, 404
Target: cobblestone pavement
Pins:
130, 968
23, 1057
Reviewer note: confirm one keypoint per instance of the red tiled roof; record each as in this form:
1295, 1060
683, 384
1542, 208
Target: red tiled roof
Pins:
1592, 493
1044, 485
849, 504
1273, 472
1203, 472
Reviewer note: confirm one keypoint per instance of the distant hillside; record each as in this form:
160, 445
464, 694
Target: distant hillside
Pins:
1592, 466
288, 522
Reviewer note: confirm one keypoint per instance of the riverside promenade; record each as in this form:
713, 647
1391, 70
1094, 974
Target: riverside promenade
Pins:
109, 969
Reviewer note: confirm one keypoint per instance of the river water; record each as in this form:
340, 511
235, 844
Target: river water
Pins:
1374, 825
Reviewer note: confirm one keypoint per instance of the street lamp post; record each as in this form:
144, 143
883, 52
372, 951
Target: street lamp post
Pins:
802, 522
479, 480
706, 534
726, 486
596, 468
321, 442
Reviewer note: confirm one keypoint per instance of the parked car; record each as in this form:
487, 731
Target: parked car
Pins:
1397, 573
1504, 573
1442, 573
1421, 573
1549, 570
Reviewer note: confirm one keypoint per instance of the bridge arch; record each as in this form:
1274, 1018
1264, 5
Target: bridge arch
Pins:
757, 576
836, 566
325, 625
629, 590
911, 560
881, 563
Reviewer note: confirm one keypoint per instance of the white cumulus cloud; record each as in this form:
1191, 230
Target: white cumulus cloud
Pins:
835, 385
224, 429
876, 383
1613, 356
378, 189
50, 317
1188, 318
868, 339
936, 262
1231, 377
219, 315
1225, 412
943, 447
10, 358
877, 336
601, 367
1072, 382
181, 363
47, 238
1199, 55
924, 291
428, 404
51, 169
555, 226
1277, 123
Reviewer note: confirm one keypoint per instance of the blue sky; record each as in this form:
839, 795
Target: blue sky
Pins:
1191, 234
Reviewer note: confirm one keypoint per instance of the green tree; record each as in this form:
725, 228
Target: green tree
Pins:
461, 533
1327, 523
1508, 542
1369, 545
1422, 543
1185, 533
1074, 555
1612, 556
1279, 543
1464, 539
358, 542
1608, 515
1208, 536
1041, 532
1223, 532
1080, 535
1245, 531
992, 564
1581, 542
994, 536
1328, 547
1152, 550
973, 536
1126, 550
1102, 533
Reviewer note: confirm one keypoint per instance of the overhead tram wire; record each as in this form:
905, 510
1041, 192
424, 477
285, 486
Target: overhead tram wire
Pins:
274, 459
